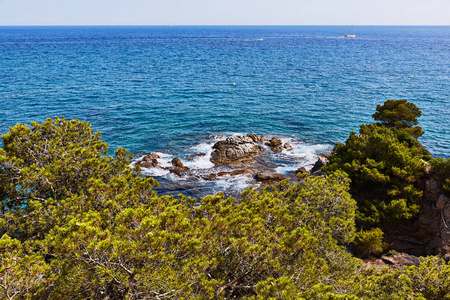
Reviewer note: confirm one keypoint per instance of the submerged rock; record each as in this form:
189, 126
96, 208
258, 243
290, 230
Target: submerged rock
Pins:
196, 155
275, 144
229, 173
235, 150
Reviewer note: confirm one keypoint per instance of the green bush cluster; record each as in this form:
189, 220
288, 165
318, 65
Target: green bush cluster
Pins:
384, 166
79, 224
385, 163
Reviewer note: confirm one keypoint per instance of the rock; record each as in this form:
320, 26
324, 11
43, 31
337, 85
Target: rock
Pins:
144, 164
400, 260
431, 189
236, 172
395, 261
440, 204
235, 150
267, 178
196, 155
150, 157
256, 138
275, 144
301, 170
149, 161
229, 173
178, 165
211, 176
287, 146
321, 162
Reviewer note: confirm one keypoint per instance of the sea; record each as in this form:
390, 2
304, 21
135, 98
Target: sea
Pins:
176, 90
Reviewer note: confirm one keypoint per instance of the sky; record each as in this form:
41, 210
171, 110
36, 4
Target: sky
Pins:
224, 12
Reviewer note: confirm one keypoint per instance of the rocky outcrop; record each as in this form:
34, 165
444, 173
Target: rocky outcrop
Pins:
178, 165
394, 261
149, 161
275, 144
256, 138
428, 233
235, 150
268, 178
321, 162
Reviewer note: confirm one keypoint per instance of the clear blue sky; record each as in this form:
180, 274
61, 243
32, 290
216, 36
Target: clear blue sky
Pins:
224, 12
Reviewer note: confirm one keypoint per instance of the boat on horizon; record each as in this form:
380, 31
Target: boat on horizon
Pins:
350, 35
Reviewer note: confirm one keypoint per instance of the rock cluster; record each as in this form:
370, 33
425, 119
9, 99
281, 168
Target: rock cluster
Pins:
256, 138
235, 151
275, 144
149, 161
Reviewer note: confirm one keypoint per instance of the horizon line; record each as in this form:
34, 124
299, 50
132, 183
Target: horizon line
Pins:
217, 25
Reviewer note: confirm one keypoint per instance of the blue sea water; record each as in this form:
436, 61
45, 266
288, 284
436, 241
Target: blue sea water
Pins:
170, 89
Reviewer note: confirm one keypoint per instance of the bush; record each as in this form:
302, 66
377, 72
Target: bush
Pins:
369, 241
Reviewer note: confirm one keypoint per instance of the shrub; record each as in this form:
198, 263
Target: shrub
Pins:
369, 241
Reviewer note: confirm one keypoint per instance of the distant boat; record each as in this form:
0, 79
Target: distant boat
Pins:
350, 35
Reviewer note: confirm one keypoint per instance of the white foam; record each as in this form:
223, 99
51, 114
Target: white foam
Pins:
201, 162
158, 172
164, 161
304, 155
238, 182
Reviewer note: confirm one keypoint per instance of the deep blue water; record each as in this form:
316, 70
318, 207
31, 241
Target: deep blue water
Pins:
169, 88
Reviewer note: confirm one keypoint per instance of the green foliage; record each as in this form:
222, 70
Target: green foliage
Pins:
87, 227
46, 170
220, 248
400, 114
369, 241
21, 271
431, 279
384, 165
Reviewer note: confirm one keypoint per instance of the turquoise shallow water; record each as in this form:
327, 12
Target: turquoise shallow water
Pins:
169, 89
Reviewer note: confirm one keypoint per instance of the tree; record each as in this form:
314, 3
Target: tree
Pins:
384, 165
400, 114
44, 166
